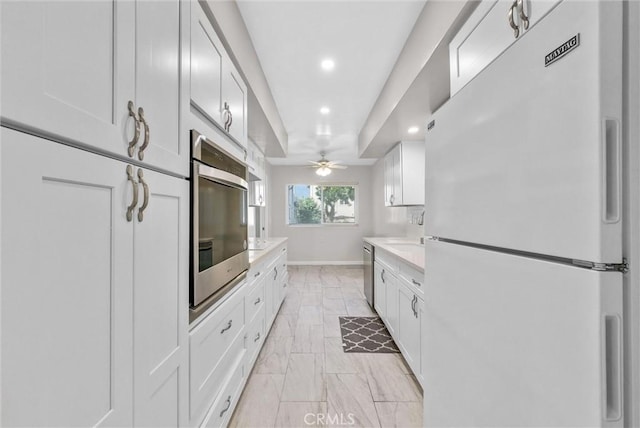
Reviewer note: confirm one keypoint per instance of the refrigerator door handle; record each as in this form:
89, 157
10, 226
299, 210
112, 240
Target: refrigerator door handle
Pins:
612, 171
612, 370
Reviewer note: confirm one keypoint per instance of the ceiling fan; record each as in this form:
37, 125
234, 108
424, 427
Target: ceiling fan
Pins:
324, 166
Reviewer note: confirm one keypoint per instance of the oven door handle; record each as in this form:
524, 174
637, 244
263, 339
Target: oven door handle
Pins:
219, 176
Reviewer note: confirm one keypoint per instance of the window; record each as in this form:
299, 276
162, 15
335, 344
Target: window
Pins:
321, 204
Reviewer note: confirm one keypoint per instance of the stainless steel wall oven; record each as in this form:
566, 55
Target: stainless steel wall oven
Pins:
219, 256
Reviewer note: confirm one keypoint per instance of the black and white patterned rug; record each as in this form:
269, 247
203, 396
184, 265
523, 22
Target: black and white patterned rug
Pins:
366, 334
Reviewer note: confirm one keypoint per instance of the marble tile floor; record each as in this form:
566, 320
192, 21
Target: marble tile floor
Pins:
302, 378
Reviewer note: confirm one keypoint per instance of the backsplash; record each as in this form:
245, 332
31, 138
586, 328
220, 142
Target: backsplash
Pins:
415, 221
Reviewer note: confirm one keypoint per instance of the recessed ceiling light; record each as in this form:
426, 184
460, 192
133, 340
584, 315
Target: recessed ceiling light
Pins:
327, 64
325, 110
413, 130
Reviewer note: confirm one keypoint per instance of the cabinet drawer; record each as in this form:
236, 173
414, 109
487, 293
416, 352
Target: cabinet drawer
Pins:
214, 346
413, 277
254, 301
386, 260
226, 401
255, 337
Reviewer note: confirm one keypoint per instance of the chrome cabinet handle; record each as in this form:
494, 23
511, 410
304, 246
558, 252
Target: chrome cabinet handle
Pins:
256, 275
136, 135
227, 327
523, 16
275, 269
512, 24
413, 305
134, 184
392, 198
416, 282
146, 134
227, 116
382, 276
257, 337
145, 201
226, 408
258, 300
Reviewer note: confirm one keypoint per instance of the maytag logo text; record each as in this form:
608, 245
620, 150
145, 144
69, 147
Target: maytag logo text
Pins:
562, 50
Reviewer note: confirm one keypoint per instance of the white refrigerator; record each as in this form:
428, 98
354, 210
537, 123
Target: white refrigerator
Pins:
524, 267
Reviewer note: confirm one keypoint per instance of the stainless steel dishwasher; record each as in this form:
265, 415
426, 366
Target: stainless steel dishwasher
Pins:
367, 258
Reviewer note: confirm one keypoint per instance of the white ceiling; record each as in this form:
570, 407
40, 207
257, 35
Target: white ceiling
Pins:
291, 38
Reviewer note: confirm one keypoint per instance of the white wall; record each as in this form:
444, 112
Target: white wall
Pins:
391, 221
322, 244
337, 244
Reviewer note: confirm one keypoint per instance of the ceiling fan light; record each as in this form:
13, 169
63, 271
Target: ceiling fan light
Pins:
323, 171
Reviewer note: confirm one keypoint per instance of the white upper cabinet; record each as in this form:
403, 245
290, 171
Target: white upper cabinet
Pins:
217, 90
158, 85
103, 74
492, 28
257, 194
207, 56
68, 69
234, 98
255, 162
404, 174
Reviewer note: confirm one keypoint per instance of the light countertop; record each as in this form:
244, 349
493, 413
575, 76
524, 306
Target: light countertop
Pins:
262, 248
409, 250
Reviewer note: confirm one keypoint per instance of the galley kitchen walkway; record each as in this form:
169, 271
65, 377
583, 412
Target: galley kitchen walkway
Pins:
303, 378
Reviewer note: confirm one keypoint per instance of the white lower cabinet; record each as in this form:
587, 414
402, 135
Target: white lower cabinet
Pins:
408, 331
82, 283
222, 409
398, 291
276, 283
380, 290
392, 304
225, 345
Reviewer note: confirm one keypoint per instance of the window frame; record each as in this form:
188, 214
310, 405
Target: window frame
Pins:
356, 203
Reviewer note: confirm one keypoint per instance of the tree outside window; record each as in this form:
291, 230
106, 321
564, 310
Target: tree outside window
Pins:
328, 204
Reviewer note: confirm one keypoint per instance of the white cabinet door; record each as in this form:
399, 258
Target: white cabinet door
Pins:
411, 165
68, 69
380, 276
257, 190
393, 177
397, 176
234, 95
388, 179
392, 303
207, 55
269, 296
482, 38
67, 284
487, 33
161, 272
158, 84
409, 326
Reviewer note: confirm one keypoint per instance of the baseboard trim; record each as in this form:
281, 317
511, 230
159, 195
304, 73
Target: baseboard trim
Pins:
325, 263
